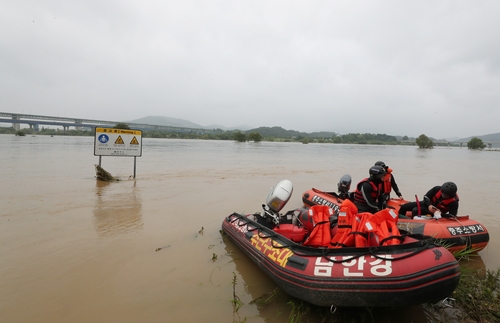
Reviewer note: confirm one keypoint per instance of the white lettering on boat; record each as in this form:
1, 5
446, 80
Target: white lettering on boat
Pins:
466, 229
321, 201
354, 267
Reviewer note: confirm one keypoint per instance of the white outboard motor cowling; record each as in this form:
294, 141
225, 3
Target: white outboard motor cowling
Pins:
279, 195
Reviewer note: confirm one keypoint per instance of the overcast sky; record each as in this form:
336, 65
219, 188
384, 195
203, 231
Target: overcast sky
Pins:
393, 67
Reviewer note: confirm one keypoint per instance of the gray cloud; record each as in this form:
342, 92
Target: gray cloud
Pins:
359, 66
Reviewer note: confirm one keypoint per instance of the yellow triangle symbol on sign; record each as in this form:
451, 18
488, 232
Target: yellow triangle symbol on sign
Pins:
134, 141
119, 141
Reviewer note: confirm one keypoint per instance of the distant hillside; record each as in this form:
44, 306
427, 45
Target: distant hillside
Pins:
165, 121
218, 126
490, 137
279, 132
175, 122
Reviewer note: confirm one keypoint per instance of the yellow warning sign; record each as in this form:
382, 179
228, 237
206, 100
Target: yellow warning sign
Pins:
119, 141
115, 142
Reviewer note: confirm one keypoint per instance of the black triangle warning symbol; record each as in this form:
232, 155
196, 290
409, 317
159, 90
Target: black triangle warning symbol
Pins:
119, 141
134, 141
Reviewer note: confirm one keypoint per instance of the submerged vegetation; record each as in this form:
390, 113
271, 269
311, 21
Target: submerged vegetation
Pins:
476, 299
424, 142
104, 175
476, 143
478, 296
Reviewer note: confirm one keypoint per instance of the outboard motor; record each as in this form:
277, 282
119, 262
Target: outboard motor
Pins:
287, 225
277, 197
344, 185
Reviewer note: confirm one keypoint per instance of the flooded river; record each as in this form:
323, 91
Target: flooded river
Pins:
74, 249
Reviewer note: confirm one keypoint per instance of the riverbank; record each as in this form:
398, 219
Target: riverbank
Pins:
476, 299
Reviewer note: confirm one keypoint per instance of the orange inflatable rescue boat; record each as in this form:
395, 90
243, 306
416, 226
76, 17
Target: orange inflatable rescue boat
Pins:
455, 233
342, 259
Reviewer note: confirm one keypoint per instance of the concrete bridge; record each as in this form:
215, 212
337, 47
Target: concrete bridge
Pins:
34, 121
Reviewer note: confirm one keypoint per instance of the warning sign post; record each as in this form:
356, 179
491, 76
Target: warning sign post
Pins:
118, 142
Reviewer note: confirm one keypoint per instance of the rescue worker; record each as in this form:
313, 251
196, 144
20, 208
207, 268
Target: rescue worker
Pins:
442, 198
389, 184
368, 191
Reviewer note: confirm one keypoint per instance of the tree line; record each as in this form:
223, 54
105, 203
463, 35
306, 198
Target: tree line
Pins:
262, 134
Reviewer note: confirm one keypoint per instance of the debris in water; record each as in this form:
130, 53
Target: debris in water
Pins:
158, 249
104, 175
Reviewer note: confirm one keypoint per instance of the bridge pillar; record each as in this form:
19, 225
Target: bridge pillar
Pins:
16, 126
78, 125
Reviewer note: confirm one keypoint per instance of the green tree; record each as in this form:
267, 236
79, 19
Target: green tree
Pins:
255, 136
405, 138
239, 136
424, 142
7, 130
475, 143
337, 139
121, 125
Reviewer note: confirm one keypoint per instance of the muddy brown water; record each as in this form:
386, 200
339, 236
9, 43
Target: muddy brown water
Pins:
73, 249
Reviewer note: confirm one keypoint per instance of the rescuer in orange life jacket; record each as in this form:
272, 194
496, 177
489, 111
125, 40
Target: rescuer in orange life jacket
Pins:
388, 184
442, 198
369, 191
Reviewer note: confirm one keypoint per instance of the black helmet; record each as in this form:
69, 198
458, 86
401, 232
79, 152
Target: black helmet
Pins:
376, 172
381, 164
449, 188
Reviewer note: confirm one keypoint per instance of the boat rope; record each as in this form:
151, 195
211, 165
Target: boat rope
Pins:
375, 252
468, 243
260, 232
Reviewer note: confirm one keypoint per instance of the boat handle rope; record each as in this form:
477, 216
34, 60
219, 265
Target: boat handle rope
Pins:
262, 234
239, 222
326, 254
424, 247
400, 238
372, 251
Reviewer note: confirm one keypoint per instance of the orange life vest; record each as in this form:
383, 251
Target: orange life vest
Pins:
365, 229
358, 196
346, 220
320, 235
361, 235
442, 204
387, 232
387, 182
